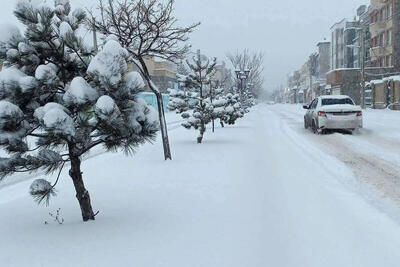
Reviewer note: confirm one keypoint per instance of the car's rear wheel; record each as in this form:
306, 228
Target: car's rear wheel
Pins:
305, 124
314, 127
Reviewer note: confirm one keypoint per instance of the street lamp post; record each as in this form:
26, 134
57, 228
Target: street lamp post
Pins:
242, 76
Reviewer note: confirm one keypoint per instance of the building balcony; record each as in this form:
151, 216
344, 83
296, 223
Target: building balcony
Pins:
377, 51
376, 5
379, 27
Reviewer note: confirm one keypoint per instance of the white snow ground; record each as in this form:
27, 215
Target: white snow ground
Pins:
372, 153
262, 193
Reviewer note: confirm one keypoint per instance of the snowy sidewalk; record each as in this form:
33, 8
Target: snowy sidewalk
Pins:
257, 194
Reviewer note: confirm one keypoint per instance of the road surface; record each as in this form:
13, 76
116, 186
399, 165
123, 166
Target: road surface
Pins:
261, 193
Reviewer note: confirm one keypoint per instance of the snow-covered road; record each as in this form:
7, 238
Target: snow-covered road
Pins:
371, 153
262, 193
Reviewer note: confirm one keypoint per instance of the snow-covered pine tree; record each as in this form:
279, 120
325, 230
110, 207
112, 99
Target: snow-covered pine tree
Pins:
182, 69
57, 101
248, 100
233, 108
179, 99
201, 71
217, 98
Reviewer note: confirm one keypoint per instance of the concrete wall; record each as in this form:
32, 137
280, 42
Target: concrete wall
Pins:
379, 95
347, 81
395, 96
386, 94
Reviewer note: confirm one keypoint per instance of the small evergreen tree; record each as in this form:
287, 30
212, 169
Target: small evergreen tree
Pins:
218, 102
58, 101
248, 100
179, 99
233, 109
200, 73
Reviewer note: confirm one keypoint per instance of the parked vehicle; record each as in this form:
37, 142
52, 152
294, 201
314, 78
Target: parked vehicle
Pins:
333, 112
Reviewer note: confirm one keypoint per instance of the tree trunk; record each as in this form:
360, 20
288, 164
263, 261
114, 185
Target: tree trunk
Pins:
163, 126
200, 138
222, 123
202, 130
81, 193
160, 106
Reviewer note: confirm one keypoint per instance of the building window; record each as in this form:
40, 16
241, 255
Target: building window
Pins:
389, 37
389, 62
389, 10
382, 39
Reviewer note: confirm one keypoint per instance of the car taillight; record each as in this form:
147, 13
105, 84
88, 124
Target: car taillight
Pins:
321, 114
359, 113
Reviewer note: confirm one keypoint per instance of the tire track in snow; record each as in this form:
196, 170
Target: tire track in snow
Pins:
373, 159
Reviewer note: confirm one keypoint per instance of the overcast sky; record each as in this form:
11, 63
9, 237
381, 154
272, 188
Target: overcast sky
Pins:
287, 31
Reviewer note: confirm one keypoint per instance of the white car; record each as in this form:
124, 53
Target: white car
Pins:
333, 112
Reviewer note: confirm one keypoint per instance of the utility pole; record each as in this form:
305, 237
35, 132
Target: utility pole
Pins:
362, 65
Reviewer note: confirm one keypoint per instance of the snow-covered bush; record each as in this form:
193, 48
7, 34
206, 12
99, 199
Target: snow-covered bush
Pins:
233, 108
178, 100
58, 100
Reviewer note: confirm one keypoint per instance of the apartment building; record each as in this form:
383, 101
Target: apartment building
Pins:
163, 73
323, 63
363, 38
321, 67
384, 26
342, 49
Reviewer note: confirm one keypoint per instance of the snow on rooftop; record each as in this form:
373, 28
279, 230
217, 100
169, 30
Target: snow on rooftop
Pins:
376, 82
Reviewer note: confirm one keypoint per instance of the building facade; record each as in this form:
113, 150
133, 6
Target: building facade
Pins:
363, 38
383, 28
163, 73
343, 34
323, 59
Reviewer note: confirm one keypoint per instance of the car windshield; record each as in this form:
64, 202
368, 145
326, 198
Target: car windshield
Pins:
336, 101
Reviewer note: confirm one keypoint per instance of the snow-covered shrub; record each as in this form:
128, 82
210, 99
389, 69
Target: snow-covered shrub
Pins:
233, 108
178, 100
58, 100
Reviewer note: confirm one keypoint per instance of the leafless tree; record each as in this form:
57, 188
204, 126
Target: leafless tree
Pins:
146, 28
252, 61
